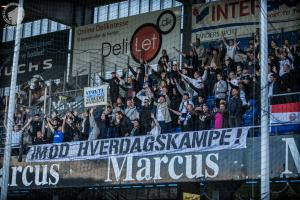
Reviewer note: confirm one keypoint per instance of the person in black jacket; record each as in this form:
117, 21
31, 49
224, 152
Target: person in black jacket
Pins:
204, 119
145, 116
103, 125
235, 109
113, 86
123, 125
139, 75
136, 129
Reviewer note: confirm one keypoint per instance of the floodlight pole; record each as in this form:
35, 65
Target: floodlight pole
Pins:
265, 160
11, 106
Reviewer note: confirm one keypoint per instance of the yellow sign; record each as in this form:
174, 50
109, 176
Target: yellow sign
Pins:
190, 196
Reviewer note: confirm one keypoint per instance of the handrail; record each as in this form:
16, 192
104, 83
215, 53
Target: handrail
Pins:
284, 94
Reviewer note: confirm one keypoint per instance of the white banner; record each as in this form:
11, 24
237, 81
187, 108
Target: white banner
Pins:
95, 96
113, 43
211, 19
210, 140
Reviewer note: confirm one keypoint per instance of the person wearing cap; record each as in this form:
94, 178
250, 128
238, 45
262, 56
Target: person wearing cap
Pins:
113, 86
162, 113
235, 108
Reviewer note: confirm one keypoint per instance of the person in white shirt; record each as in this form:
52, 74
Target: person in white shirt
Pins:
155, 127
16, 137
131, 111
231, 46
197, 81
285, 59
162, 113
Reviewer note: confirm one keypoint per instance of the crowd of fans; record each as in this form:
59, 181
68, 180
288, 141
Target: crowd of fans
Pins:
217, 87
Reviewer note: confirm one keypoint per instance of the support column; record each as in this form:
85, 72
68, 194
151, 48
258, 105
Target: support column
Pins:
265, 168
187, 25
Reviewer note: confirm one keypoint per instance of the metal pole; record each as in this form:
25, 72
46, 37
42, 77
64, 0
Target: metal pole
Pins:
11, 106
64, 83
29, 97
44, 109
265, 178
50, 99
90, 74
6, 108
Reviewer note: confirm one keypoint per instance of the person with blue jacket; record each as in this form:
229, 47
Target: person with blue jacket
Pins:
250, 115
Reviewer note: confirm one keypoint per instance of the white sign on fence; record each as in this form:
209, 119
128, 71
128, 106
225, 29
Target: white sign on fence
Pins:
95, 96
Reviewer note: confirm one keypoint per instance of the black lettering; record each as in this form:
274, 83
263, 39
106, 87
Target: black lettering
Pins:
94, 149
113, 146
64, 150
171, 141
41, 154
105, 51
160, 141
213, 135
125, 143
136, 146
148, 143
224, 136
185, 141
238, 135
103, 147
53, 151
116, 49
83, 148
199, 142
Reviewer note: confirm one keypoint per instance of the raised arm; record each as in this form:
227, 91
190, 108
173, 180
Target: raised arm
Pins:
63, 128
180, 90
180, 52
92, 118
132, 70
234, 39
140, 96
27, 124
175, 112
103, 79
223, 39
49, 124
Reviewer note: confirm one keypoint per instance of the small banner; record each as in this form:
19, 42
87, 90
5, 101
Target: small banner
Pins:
190, 196
95, 96
183, 142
